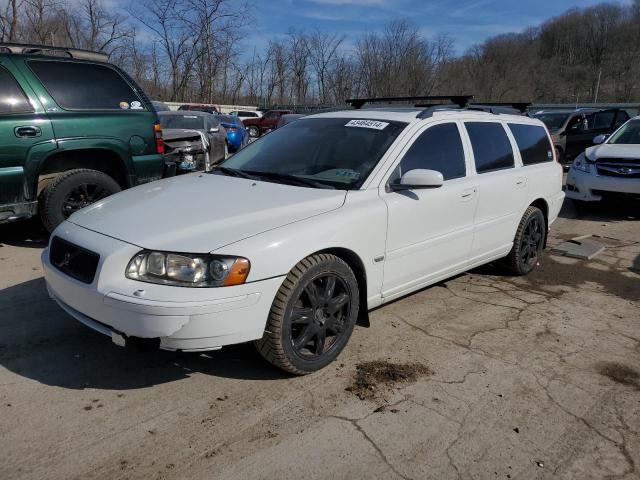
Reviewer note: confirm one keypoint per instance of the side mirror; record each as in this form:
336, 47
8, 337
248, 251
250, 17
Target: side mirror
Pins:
418, 179
214, 129
600, 139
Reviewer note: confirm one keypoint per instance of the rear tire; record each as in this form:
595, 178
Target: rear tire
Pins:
528, 243
71, 191
312, 316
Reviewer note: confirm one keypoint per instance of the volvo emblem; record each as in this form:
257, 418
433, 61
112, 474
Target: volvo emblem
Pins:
65, 261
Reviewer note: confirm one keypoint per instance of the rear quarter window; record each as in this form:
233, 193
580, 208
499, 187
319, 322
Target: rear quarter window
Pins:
86, 86
12, 98
491, 146
533, 143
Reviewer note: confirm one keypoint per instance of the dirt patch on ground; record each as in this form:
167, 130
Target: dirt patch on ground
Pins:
620, 374
553, 273
373, 379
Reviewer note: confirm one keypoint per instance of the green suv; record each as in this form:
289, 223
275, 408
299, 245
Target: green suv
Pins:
73, 130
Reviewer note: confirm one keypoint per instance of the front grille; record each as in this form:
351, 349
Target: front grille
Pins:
619, 167
72, 260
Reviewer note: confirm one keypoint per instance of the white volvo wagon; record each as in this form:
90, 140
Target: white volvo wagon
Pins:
302, 231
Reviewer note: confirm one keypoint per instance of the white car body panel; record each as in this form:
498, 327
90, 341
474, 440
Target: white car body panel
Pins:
230, 209
403, 240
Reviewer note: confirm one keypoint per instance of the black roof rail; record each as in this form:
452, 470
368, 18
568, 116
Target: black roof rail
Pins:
501, 107
29, 49
460, 101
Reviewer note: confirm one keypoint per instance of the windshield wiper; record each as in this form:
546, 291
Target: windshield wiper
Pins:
232, 172
290, 179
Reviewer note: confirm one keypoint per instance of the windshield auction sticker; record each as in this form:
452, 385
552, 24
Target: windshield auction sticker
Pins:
367, 124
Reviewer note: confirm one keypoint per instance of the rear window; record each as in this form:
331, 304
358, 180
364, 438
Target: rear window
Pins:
491, 147
533, 143
182, 121
86, 86
12, 98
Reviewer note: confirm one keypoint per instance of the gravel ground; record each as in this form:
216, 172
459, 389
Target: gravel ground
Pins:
481, 376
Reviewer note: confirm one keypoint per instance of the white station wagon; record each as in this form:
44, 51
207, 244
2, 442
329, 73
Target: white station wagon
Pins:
306, 229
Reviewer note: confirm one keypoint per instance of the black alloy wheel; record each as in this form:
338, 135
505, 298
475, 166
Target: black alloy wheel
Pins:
312, 316
528, 243
319, 315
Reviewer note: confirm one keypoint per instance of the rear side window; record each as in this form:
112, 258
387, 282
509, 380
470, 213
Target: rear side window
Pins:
12, 98
439, 148
86, 86
533, 143
491, 147
603, 119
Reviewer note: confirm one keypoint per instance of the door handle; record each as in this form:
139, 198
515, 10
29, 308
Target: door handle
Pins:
468, 194
27, 131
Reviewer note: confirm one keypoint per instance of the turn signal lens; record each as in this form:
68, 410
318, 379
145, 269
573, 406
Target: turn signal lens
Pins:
157, 130
238, 273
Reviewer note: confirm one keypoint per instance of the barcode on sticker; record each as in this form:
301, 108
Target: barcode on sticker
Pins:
367, 124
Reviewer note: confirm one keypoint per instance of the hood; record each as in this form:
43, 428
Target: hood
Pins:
631, 152
199, 213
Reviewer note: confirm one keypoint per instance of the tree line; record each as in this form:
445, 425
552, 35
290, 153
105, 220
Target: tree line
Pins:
194, 51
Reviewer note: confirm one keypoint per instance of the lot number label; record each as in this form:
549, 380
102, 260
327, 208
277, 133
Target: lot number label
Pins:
367, 124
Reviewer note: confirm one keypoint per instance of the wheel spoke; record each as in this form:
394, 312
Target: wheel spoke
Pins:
336, 303
301, 315
319, 341
524, 253
312, 293
329, 288
305, 336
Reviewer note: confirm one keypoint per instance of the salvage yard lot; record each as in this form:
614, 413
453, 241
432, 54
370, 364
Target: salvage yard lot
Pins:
494, 377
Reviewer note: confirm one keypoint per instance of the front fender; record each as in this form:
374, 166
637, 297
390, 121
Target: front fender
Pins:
359, 226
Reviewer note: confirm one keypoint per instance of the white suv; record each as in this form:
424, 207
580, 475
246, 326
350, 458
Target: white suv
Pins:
610, 167
308, 228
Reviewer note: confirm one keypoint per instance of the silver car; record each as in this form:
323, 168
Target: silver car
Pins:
193, 140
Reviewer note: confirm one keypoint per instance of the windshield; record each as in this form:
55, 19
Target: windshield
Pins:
339, 152
184, 121
553, 121
629, 134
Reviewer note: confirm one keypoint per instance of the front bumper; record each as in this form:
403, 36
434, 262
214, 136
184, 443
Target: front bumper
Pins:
588, 186
181, 318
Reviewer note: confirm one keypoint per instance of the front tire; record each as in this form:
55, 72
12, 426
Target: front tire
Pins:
312, 316
71, 191
528, 243
254, 132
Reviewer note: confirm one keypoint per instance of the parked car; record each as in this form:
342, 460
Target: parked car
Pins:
160, 106
73, 130
245, 114
573, 130
269, 121
307, 229
199, 108
237, 135
288, 118
193, 140
611, 168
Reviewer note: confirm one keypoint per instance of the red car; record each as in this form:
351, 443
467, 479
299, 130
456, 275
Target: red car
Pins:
269, 121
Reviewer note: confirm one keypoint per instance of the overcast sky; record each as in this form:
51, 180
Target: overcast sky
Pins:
466, 21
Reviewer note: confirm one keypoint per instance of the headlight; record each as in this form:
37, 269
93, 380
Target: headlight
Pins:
582, 164
186, 270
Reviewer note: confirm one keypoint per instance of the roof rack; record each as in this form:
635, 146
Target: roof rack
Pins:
27, 49
501, 107
461, 101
